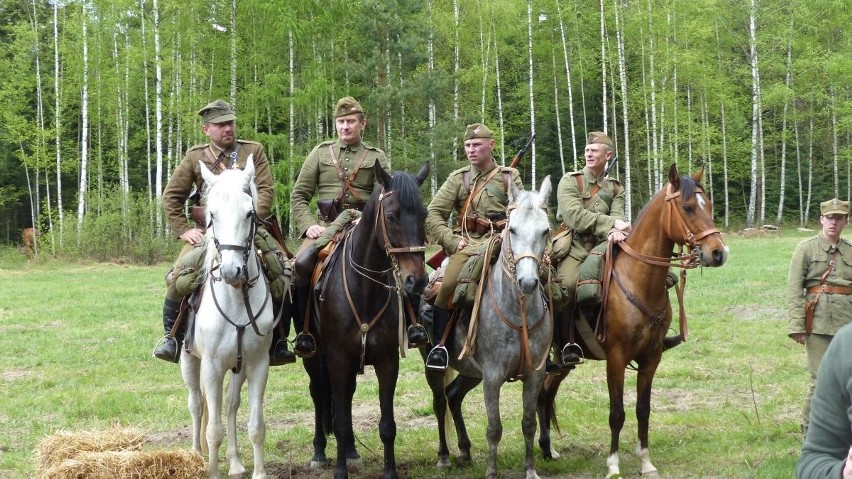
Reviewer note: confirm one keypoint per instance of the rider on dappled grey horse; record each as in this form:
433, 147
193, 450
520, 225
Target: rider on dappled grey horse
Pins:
478, 194
223, 152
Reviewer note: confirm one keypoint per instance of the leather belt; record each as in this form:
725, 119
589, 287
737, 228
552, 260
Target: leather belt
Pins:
481, 226
829, 289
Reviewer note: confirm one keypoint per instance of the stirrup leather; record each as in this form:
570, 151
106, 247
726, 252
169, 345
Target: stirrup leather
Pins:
301, 353
573, 348
438, 367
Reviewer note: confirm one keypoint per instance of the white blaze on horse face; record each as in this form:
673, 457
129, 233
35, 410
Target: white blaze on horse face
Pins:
702, 202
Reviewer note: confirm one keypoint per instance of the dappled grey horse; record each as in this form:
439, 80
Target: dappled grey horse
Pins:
509, 339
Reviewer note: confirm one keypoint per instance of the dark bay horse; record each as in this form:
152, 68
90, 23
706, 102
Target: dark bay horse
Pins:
379, 262
513, 333
637, 311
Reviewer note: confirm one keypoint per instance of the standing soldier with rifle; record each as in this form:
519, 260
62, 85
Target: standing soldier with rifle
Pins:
478, 193
591, 207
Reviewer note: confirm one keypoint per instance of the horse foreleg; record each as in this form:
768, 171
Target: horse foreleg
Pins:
320, 390
615, 381
644, 382
387, 373
236, 469
343, 388
456, 392
532, 386
491, 395
257, 374
212, 378
189, 367
439, 405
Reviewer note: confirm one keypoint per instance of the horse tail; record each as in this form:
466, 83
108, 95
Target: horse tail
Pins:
547, 400
205, 418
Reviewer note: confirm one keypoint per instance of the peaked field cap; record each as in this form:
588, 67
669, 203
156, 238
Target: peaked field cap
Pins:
599, 137
834, 207
477, 130
217, 111
347, 106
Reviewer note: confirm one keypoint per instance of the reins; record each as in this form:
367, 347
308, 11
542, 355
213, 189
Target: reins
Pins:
682, 260
391, 252
508, 266
245, 285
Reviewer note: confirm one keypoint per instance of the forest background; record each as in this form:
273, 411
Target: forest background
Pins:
98, 98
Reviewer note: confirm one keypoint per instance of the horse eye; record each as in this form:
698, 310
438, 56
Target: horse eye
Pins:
391, 217
687, 208
512, 230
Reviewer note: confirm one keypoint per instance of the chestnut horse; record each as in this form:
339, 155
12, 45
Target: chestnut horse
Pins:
636, 310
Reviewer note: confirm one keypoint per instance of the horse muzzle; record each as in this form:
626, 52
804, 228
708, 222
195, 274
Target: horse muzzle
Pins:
713, 255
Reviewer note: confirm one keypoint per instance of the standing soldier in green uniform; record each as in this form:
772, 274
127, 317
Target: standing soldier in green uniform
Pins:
591, 205
340, 174
478, 193
224, 151
819, 289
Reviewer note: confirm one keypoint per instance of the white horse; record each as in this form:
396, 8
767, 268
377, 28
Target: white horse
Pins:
233, 324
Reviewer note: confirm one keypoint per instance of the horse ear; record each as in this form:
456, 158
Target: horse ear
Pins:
381, 175
514, 191
699, 173
544, 191
209, 178
249, 169
674, 177
423, 173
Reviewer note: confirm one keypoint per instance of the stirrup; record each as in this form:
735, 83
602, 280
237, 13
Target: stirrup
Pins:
417, 327
302, 353
438, 367
162, 342
576, 350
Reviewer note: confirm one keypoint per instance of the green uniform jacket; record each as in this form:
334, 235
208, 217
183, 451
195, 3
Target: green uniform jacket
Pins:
810, 260
591, 223
452, 197
319, 176
188, 175
829, 435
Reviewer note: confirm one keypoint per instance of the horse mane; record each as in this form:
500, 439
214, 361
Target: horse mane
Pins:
405, 187
688, 187
524, 202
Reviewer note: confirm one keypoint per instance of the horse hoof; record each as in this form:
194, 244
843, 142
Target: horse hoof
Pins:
354, 462
239, 475
651, 474
463, 461
553, 454
318, 464
443, 464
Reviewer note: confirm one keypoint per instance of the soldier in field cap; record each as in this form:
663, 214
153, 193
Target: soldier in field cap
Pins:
592, 207
477, 194
819, 290
224, 151
340, 174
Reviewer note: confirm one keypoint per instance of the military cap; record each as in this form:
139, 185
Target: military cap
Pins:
599, 137
477, 130
217, 111
347, 106
834, 207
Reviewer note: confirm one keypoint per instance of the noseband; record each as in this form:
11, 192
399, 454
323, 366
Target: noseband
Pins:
690, 239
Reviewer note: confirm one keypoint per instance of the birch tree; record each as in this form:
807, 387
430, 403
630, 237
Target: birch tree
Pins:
57, 125
84, 136
755, 114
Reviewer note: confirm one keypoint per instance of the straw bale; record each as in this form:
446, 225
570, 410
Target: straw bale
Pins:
130, 465
67, 445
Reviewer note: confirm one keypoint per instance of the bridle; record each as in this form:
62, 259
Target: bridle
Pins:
245, 284
688, 258
379, 277
508, 265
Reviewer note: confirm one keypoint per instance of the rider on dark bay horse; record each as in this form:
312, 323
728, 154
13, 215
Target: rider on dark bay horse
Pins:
591, 207
223, 152
478, 194
340, 173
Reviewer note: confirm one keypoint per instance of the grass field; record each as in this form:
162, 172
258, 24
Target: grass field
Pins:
76, 341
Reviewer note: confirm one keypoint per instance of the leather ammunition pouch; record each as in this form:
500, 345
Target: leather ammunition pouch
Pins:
329, 209
482, 225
